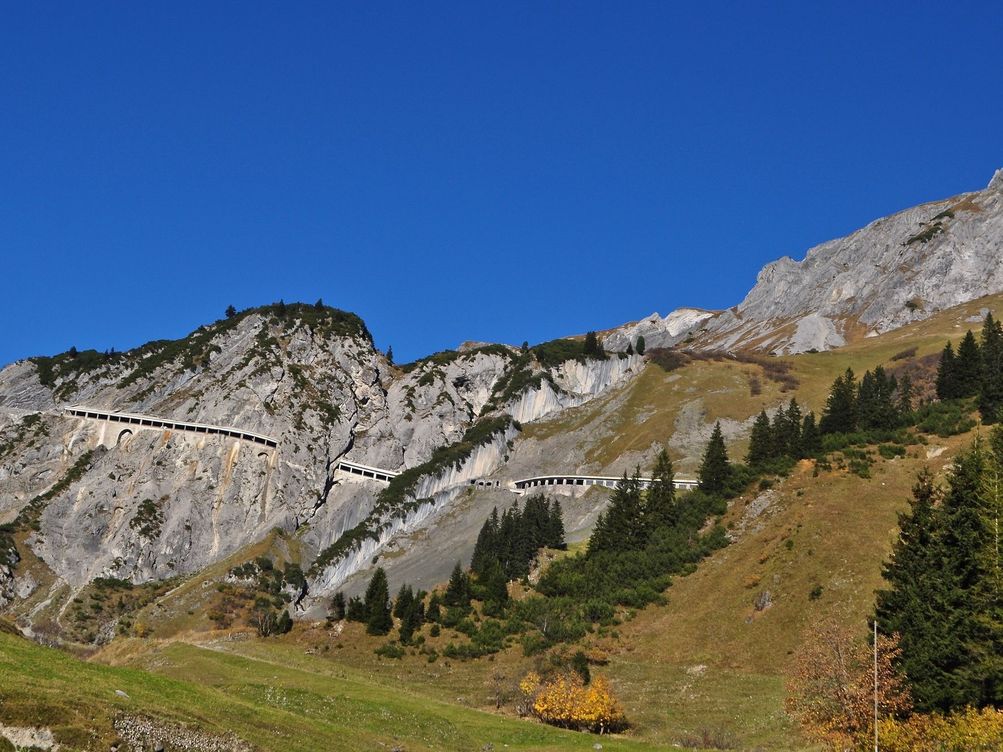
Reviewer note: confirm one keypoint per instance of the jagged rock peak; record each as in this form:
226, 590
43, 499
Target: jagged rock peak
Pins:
896, 270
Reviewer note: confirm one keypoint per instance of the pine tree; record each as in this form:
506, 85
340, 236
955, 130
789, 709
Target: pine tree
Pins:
811, 441
319, 305
946, 377
905, 396
377, 604
791, 439
909, 605
390, 355
434, 611
486, 548
403, 602
338, 606
630, 349
280, 309
660, 503
591, 345
968, 367
715, 470
840, 414
355, 610
991, 384
761, 447
639, 347
494, 584
623, 526
458, 590
555, 529
230, 311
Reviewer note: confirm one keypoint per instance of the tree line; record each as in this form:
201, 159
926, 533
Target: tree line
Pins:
975, 370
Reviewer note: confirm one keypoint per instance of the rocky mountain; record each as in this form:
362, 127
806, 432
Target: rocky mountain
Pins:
94, 498
896, 270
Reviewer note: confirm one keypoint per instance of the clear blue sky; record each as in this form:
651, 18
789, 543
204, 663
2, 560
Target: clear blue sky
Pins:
500, 172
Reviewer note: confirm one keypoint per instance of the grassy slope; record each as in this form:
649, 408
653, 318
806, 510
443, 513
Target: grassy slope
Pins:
273, 704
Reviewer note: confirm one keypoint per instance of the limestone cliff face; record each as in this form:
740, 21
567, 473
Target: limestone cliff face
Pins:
106, 500
893, 271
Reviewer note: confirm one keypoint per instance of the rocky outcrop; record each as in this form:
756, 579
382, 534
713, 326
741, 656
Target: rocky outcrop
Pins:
895, 270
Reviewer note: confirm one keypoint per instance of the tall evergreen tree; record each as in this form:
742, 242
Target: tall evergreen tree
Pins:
591, 346
811, 441
639, 347
991, 385
338, 606
905, 395
379, 620
946, 377
458, 590
660, 502
968, 367
404, 601
486, 549
715, 470
623, 527
910, 605
761, 445
555, 530
840, 414
789, 442
230, 311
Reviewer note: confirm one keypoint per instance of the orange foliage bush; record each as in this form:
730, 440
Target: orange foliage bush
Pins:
830, 686
566, 701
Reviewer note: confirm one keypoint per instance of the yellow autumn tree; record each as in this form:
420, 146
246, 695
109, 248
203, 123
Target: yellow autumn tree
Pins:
968, 730
566, 701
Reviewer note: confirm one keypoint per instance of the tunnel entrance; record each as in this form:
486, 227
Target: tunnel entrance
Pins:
123, 435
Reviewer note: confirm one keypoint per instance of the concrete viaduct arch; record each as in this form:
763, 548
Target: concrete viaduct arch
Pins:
128, 423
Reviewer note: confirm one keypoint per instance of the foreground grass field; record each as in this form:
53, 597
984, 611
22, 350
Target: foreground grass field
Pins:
272, 705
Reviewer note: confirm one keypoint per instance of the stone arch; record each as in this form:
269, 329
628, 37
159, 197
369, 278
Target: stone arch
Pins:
124, 434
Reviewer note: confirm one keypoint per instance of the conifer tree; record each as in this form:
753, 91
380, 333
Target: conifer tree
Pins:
715, 470
840, 414
458, 590
230, 311
905, 396
555, 526
761, 449
338, 606
494, 584
486, 548
660, 503
623, 527
630, 349
907, 606
946, 378
355, 609
390, 355
811, 441
403, 602
639, 347
591, 346
377, 604
968, 366
991, 383
791, 438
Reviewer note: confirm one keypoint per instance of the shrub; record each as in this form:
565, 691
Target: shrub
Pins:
966, 730
566, 701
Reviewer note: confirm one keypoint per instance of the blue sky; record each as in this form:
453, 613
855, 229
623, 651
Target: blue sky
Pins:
502, 172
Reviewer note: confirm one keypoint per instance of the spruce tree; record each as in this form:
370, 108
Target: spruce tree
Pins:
968, 366
946, 378
791, 438
760, 442
840, 414
905, 396
991, 383
403, 602
639, 347
458, 590
630, 349
811, 441
377, 604
591, 345
715, 470
390, 355
486, 547
230, 311
660, 502
338, 606
911, 604
623, 527
555, 528
494, 584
